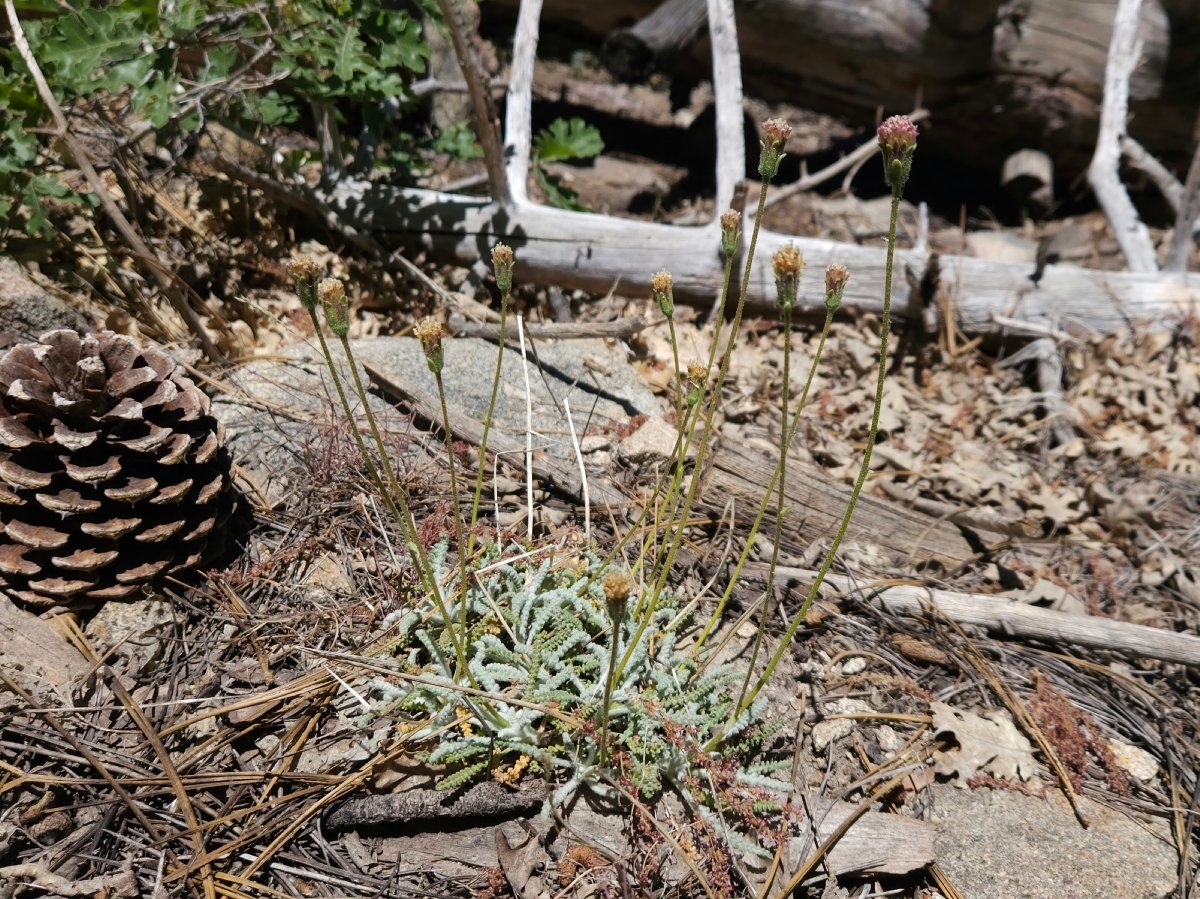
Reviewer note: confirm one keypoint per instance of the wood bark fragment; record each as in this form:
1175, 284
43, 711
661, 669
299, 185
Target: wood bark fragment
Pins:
876, 843
1028, 175
485, 801
814, 505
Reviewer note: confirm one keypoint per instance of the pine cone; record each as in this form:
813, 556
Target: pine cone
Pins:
112, 470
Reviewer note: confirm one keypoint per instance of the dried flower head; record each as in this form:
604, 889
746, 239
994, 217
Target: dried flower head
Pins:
788, 263
731, 230
617, 588
304, 271
695, 383
661, 290
775, 133
898, 140
332, 294
836, 276
502, 263
430, 331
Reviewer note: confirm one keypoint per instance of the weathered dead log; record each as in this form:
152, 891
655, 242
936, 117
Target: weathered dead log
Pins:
1041, 62
594, 252
814, 505
631, 53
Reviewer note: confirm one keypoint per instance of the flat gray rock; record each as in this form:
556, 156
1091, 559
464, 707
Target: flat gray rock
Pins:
1004, 845
27, 311
277, 408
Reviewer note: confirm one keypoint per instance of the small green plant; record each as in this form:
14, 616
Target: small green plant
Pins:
564, 666
542, 638
563, 141
246, 66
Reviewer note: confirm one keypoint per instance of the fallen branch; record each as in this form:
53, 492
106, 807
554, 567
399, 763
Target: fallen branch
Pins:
1013, 618
1187, 214
592, 252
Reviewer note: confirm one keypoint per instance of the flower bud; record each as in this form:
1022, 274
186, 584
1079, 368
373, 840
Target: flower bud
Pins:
661, 290
695, 383
731, 221
332, 294
304, 271
775, 133
502, 263
898, 140
788, 263
429, 331
836, 276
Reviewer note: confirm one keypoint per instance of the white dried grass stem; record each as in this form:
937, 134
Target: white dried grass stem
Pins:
587, 503
496, 495
528, 424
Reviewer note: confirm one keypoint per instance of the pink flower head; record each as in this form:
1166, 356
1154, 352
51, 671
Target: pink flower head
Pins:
897, 140
661, 290
731, 222
775, 133
502, 263
836, 276
898, 136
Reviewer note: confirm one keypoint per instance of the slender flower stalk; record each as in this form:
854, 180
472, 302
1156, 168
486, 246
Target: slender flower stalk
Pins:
430, 332
787, 263
695, 386
775, 133
898, 141
662, 290
304, 272
502, 265
331, 293
617, 588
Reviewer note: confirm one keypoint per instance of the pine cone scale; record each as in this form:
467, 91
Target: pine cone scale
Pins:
67, 501
35, 537
20, 476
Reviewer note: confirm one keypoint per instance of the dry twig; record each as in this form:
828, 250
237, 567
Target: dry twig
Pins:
1132, 235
